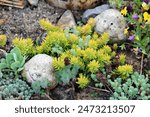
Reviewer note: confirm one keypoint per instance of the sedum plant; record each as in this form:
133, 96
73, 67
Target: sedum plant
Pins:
25, 45
124, 71
82, 81
13, 61
3, 40
14, 89
135, 87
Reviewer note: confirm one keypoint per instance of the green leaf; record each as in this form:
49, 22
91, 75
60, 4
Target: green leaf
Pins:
3, 66
15, 65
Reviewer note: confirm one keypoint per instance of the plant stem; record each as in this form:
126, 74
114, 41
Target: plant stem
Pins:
104, 90
141, 70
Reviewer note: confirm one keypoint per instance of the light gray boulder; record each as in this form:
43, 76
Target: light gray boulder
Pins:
113, 22
94, 12
33, 2
40, 68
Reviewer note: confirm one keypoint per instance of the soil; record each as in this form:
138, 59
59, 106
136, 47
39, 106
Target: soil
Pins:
25, 23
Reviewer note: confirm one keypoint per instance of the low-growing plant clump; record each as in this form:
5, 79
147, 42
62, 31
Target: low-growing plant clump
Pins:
83, 58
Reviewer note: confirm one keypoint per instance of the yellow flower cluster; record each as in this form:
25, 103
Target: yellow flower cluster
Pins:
93, 66
103, 39
83, 81
125, 70
52, 39
88, 28
89, 54
45, 24
25, 45
3, 40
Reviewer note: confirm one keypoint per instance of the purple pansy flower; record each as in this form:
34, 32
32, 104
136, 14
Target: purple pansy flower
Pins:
131, 38
135, 17
146, 1
129, 8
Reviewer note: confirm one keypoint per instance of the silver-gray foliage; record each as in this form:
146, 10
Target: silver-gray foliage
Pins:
14, 89
136, 87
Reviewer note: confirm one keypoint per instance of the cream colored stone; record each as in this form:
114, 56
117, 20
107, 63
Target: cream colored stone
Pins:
113, 22
39, 68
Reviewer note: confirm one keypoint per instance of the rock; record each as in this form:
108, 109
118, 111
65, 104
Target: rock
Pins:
33, 2
94, 12
113, 22
67, 20
2, 53
39, 68
74, 4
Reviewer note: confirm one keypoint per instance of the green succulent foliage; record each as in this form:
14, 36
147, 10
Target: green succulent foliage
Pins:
38, 86
14, 89
136, 87
66, 74
13, 61
116, 3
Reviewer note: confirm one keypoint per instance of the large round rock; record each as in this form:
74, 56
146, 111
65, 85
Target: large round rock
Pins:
113, 22
40, 68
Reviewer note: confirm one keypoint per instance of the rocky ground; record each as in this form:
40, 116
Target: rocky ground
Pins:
24, 22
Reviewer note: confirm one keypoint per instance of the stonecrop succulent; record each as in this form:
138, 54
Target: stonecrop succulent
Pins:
26, 46
3, 40
122, 58
124, 71
135, 87
83, 81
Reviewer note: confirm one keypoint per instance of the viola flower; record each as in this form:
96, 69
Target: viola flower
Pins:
146, 16
135, 17
146, 1
131, 38
145, 6
126, 30
129, 8
124, 11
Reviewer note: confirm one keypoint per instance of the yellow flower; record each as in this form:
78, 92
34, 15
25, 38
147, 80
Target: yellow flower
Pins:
124, 11
83, 81
126, 30
103, 39
145, 6
146, 16
93, 66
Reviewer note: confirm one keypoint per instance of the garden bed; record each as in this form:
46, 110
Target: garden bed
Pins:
86, 65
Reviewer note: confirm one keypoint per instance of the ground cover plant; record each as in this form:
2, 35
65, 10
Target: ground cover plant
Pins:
82, 59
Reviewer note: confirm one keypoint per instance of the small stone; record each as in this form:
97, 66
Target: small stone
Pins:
33, 2
94, 12
2, 53
67, 20
40, 68
113, 22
